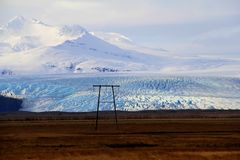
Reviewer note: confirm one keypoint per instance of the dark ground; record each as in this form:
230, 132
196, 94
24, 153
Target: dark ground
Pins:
8, 104
162, 135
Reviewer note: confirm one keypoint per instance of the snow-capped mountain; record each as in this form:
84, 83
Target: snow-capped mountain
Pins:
30, 46
33, 47
23, 34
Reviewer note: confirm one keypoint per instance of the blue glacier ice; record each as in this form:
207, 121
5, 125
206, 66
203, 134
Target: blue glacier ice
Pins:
74, 93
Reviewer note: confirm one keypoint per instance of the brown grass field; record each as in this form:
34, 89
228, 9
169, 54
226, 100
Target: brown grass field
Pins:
150, 135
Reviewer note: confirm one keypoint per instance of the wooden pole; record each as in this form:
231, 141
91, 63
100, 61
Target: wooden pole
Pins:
99, 94
114, 103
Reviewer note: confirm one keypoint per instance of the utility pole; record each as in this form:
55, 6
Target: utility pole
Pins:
99, 100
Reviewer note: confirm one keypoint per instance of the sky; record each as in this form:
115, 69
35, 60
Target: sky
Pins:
202, 27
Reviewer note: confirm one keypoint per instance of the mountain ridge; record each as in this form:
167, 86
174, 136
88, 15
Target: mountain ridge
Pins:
33, 47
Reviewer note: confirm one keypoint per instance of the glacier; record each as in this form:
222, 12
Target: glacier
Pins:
74, 92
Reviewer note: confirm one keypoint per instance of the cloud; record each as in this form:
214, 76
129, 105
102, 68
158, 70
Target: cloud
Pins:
218, 41
123, 12
141, 12
222, 33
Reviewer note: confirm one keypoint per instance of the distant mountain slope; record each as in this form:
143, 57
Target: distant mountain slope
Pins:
33, 47
126, 43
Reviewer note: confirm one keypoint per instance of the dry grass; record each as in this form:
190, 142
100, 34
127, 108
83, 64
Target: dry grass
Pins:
158, 138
